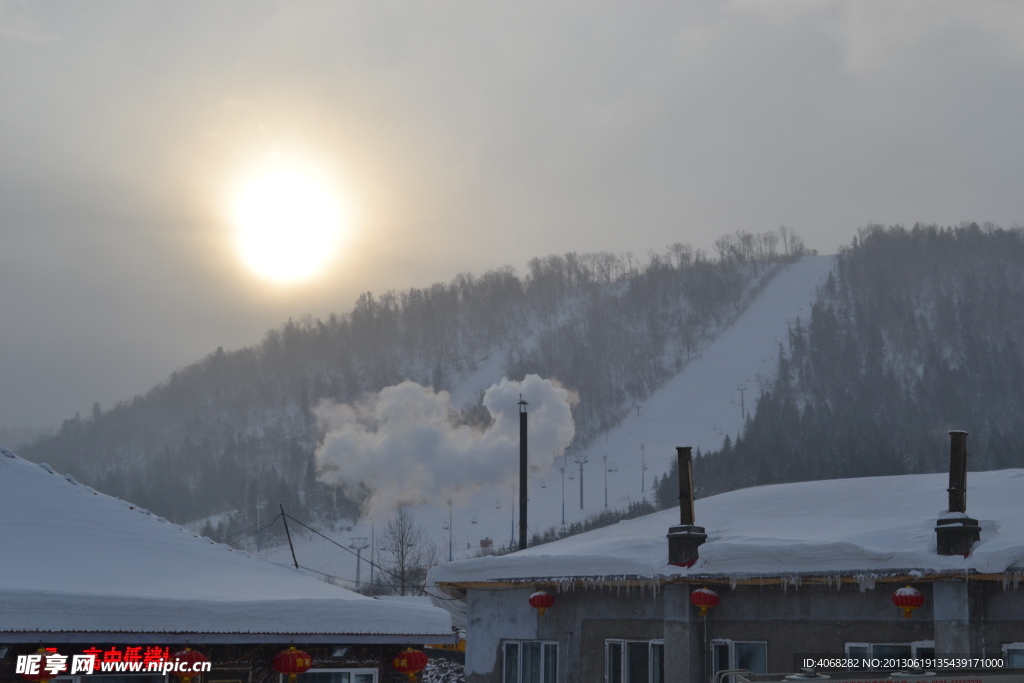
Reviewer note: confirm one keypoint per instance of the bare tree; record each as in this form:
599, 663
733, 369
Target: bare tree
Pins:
407, 553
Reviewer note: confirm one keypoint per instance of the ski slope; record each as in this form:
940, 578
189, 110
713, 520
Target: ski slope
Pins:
698, 408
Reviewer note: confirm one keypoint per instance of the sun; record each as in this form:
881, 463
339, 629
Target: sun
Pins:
288, 222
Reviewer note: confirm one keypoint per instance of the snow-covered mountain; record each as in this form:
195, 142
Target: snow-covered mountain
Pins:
234, 436
698, 407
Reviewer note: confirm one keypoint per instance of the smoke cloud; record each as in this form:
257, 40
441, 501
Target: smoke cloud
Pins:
401, 445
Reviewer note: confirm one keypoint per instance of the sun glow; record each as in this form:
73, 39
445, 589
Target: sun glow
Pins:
288, 222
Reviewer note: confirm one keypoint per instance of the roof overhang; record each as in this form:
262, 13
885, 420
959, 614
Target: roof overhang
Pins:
118, 638
825, 579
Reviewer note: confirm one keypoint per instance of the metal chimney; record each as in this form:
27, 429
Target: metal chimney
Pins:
523, 491
683, 540
956, 533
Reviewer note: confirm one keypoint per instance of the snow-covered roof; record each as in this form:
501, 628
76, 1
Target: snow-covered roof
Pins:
847, 527
77, 562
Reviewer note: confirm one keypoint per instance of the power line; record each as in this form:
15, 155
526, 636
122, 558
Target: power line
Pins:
244, 534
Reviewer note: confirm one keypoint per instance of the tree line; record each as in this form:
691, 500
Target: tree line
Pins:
235, 430
917, 332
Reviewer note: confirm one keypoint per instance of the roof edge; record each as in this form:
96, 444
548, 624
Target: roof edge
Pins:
139, 638
796, 578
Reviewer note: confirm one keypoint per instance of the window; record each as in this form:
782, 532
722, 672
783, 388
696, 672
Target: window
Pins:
1013, 655
530, 661
916, 649
634, 661
737, 654
336, 676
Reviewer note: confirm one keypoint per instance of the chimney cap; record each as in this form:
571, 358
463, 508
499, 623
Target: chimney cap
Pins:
956, 431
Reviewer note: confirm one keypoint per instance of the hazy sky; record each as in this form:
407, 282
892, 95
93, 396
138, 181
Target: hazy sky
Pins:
464, 136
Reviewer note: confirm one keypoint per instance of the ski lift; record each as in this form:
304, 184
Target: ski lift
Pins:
543, 483
444, 524
613, 467
571, 475
497, 504
473, 521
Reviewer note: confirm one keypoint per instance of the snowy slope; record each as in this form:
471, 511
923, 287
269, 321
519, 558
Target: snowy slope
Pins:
79, 561
697, 408
871, 525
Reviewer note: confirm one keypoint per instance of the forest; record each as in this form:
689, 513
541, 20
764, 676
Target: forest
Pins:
918, 331
233, 436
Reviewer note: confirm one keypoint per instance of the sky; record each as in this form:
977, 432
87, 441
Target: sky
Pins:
455, 136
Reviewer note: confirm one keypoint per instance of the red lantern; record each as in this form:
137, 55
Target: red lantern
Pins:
541, 600
907, 599
43, 676
292, 662
409, 662
705, 598
185, 661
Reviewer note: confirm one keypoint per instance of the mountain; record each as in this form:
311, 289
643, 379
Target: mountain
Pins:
698, 407
916, 333
234, 432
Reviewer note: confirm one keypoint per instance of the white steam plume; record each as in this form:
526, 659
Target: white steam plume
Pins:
400, 446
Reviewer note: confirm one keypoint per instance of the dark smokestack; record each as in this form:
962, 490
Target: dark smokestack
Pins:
522, 473
684, 457
683, 540
956, 533
957, 471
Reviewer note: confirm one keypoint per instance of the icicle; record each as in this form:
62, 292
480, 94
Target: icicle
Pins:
865, 582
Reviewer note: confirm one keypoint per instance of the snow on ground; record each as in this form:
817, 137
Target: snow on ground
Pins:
78, 560
871, 525
698, 408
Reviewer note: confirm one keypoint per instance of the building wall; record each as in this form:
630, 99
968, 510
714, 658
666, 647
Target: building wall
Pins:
970, 617
579, 622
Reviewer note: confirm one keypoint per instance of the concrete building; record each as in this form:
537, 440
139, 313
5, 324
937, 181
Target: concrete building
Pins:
801, 571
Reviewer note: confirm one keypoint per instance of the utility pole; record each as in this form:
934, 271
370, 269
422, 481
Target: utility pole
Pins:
259, 506
643, 469
373, 547
284, 518
743, 411
605, 458
359, 545
449, 529
564, 455
581, 460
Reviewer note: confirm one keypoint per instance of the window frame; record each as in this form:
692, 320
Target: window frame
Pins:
519, 659
731, 644
915, 647
1005, 649
624, 658
283, 678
